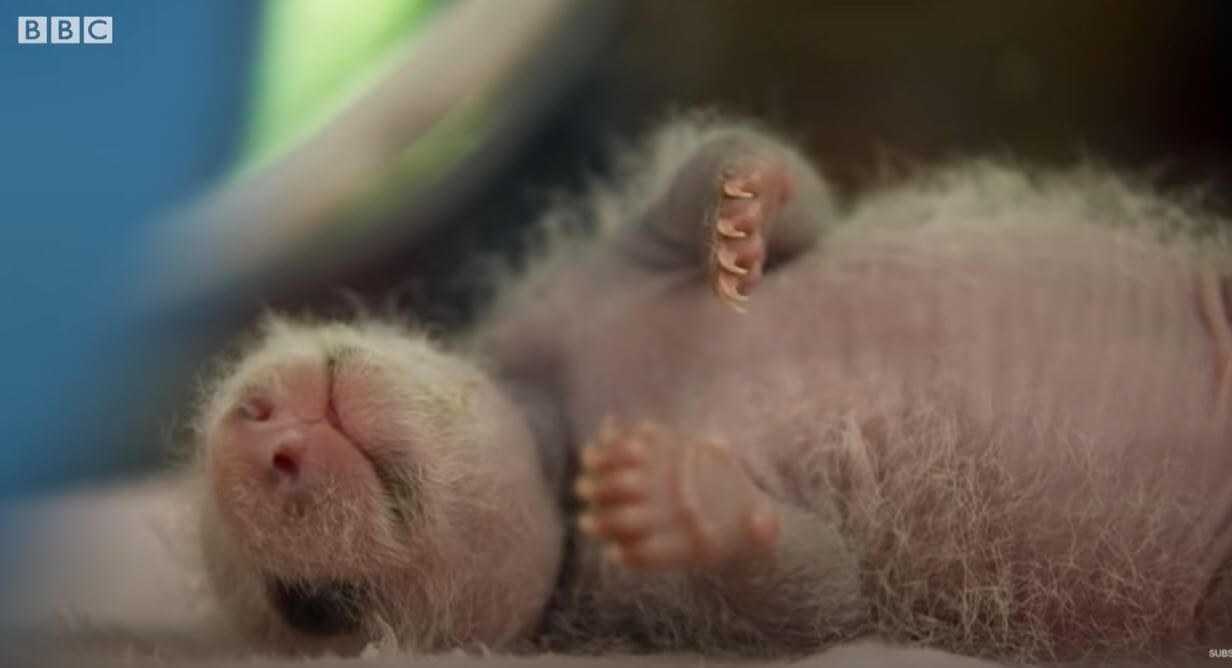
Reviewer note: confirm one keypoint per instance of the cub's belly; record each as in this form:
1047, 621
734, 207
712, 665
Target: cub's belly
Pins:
1018, 409
1075, 384
1047, 429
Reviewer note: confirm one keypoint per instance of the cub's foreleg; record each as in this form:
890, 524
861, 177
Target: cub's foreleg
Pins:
667, 508
740, 201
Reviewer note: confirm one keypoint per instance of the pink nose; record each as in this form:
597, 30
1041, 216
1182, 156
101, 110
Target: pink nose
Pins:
287, 446
287, 456
286, 462
289, 436
289, 484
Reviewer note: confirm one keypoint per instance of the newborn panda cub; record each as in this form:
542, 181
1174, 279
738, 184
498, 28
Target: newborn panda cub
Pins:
358, 476
984, 411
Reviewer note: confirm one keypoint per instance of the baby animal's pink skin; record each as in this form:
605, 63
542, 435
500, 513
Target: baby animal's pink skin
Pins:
283, 449
361, 485
983, 411
663, 501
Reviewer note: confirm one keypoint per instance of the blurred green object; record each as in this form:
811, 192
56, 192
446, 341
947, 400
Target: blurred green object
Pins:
315, 56
371, 121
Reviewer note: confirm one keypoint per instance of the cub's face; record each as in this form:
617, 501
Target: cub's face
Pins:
359, 482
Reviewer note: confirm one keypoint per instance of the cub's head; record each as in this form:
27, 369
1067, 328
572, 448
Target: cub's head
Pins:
358, 481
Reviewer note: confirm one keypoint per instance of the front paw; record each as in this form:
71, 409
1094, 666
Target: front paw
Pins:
751, 191
657, 501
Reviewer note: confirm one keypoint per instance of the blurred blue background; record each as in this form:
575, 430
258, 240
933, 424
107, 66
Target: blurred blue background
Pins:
158, 189
98, 141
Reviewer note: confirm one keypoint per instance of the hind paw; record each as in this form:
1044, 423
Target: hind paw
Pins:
751, 192
657, 501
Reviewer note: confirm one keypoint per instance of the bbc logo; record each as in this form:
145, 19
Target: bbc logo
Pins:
64, 29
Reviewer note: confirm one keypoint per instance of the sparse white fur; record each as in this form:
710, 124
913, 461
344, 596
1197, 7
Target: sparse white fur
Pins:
916, 519
471, 462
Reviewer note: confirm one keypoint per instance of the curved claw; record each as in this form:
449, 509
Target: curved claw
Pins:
584, 488
730, 295
733, 189
725, 229
728, 263
587, 524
